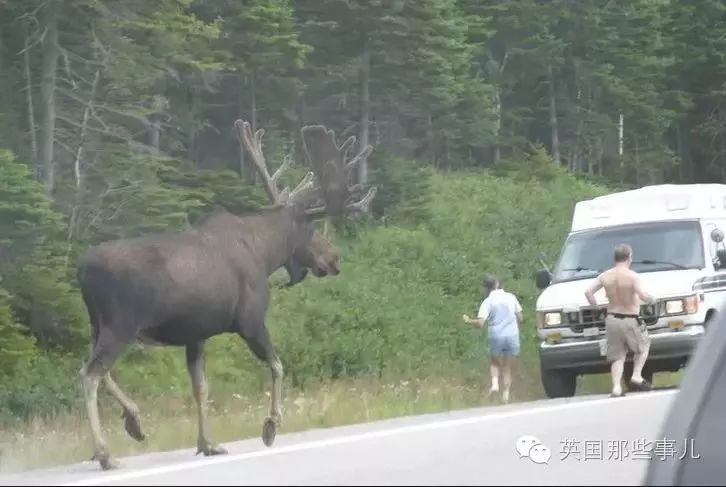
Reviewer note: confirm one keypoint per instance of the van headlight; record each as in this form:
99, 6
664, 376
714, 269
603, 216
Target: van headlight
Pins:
674, 307
687, 305
553, 319
548, 318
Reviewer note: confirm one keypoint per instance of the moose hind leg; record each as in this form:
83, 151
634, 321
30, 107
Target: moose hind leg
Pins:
195, 365
91, 373
131, 414
262, 347
274, 421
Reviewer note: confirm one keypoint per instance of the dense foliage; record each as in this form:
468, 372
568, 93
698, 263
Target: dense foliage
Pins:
116, 120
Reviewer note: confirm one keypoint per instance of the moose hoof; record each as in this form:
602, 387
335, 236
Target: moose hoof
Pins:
269, 430
209, 449
109, 463
133, 426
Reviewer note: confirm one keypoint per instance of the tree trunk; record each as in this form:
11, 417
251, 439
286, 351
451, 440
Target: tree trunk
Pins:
553, 120
32, 126
685, 168
240, 110
431, 138
192, 129
47, 94
636, 153
497, 124
253, 102
620, 135
251, 173
300, 110
77, 170
577, 147
155, 133
365, 107
84, 128
496, 71
620, 147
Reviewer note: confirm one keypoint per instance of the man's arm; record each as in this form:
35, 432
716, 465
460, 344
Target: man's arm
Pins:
642, 294
474, 321
482, 316
592, 289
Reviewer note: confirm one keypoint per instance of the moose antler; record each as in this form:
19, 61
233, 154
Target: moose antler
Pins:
253, 144
328, 161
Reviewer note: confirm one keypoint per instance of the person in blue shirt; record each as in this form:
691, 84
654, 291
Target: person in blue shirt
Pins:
502, 311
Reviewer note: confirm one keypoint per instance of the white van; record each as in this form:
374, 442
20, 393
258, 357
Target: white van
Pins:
677, 233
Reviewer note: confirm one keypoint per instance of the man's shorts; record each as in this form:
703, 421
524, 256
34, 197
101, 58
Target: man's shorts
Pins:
625, 334
504, 345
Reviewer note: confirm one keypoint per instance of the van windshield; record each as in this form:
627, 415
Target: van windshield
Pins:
656, 247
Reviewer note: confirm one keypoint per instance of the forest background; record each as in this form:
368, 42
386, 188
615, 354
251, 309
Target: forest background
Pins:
489, 121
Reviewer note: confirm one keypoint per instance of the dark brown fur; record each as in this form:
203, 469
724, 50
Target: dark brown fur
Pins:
181, 288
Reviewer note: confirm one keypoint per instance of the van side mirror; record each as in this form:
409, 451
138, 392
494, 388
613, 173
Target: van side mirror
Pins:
717, 235
542, 279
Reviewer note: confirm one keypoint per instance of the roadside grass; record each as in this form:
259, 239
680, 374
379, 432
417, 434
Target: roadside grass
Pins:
170, 423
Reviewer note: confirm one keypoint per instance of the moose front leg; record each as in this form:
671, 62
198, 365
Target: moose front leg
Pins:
195, 365
258, 339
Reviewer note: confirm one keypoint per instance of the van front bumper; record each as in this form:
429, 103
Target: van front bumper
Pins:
668, 349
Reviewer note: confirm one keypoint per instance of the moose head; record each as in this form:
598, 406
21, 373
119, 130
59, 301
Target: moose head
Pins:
308, 202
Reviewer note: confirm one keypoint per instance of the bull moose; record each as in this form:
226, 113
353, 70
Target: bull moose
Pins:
181, 288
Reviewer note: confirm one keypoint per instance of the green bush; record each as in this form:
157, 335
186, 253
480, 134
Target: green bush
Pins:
17, 347
404, 189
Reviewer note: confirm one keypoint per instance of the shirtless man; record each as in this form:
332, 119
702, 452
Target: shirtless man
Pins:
623, 328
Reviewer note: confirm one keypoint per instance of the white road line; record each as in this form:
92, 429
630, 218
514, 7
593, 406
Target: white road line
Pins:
114, 477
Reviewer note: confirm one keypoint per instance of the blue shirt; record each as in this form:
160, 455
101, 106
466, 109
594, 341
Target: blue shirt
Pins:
499, 309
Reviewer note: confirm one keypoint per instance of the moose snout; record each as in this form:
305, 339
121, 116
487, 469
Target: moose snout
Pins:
330, 268
335, 268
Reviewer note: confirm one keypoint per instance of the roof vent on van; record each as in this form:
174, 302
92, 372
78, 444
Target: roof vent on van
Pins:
678, 202
599, 211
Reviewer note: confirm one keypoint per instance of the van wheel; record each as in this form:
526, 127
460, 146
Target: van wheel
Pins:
559, 383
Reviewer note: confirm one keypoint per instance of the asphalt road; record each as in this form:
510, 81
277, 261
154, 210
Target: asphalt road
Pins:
593, 440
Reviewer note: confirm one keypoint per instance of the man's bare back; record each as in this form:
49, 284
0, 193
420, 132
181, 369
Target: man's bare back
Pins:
623, 288
623, 328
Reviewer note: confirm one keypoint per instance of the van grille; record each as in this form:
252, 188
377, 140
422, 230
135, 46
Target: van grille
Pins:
587, 318
590, 317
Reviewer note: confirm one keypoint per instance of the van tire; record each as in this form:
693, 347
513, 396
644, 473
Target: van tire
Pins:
558, 383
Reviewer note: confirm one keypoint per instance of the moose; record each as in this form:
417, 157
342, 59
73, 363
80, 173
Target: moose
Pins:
180, 288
